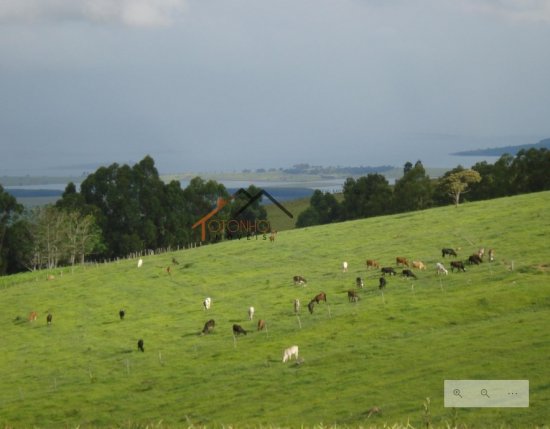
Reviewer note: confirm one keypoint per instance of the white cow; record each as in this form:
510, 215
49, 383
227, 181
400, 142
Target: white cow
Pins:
296, 306
140, 263
441, 268
344, 267
251, 313
288, 353
207, 303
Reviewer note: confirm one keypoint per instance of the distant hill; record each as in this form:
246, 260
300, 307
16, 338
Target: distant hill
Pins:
498, 151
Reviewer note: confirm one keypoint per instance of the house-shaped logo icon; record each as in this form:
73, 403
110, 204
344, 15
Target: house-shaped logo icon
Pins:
222, 202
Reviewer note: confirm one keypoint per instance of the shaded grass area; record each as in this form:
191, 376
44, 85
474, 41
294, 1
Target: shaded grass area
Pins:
390, 351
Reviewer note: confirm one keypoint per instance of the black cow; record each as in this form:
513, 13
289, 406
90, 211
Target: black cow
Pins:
359, 282
140, 345
208, 326
238, 329
388, 270
459, 265
447, 251
475, 259
408, 273
299, 280
382, 283
49, 318
310, 306
121, 314
174, 261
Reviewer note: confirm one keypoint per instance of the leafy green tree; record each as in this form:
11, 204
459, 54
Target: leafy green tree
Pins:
323, 209
10, 209
413, 191
530, 171
457, 183
367, 196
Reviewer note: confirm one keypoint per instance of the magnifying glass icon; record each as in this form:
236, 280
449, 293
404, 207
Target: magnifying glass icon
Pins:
456, 392
484, 393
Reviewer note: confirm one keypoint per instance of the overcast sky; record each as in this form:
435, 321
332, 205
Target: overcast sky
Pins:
222, 85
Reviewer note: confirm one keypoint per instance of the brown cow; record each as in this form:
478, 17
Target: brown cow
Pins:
33, 316
208, 326
261, 325
400, 260
371, 263
352, 296
322, 296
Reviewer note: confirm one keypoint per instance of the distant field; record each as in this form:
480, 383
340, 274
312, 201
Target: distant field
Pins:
390, 350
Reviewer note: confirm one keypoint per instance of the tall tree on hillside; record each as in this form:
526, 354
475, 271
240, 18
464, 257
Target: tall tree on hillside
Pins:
9, 210
323, 209
367, 196
530, 171
413, 191
457, 183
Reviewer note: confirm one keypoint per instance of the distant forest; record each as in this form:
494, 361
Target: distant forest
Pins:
511, 150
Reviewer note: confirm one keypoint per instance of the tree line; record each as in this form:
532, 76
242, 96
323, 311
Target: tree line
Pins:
119, 210
372, 195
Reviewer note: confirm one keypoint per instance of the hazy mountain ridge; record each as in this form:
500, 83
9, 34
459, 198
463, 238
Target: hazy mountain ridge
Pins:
499, 151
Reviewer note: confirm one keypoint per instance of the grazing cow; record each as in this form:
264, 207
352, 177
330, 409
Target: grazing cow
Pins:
419, 265
51, 277
261, 325
49, 318
447, 251
321, 296
352, 296
296, 306
388, 270
474, 259
382, 283
288, 353
175, 261
140, 263
250, 313
140, 345
408, 273
481, 252
400, 260
207, 303
168, 270
272, 236
33, 316
299, 280
371, 263
310, 306
238, 329
491, 255
344, 267
441, 268
121, 314
208, 326
359, 282
459, 265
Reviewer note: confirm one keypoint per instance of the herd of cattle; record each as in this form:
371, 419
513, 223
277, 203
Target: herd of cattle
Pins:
353, 296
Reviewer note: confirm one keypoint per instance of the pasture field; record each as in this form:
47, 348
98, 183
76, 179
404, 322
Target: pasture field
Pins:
390, 351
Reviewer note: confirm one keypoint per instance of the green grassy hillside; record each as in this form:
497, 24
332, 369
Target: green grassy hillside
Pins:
391, 351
